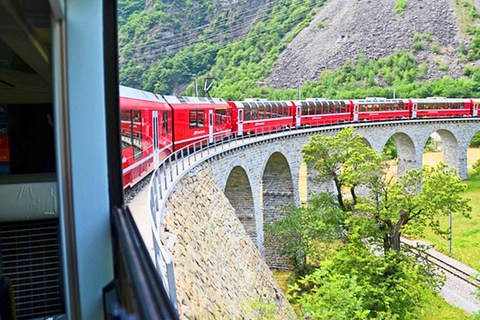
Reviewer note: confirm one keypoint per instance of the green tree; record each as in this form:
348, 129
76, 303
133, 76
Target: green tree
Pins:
390, 206
300, 230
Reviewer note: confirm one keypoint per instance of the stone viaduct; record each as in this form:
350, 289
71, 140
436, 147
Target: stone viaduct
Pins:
260, 179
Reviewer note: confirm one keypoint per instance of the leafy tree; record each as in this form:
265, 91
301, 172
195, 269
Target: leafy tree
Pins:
300, 230
418, 197
357, 284
344, 159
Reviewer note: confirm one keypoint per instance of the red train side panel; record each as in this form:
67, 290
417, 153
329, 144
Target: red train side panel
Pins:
197, 119
314, 112
261, 116
146, 132
441, 107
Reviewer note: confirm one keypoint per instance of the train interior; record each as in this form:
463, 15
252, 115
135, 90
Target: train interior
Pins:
30, 272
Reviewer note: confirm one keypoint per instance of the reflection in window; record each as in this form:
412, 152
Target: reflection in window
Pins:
220, 116
197, 119
126, 128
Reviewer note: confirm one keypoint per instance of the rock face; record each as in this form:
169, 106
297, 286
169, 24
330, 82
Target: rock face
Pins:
218, 269
342, 29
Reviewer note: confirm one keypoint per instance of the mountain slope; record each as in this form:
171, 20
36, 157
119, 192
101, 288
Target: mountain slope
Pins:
345, 28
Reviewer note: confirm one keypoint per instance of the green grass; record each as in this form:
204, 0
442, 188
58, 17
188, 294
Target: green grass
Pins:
435, 308
432, 308
466, 232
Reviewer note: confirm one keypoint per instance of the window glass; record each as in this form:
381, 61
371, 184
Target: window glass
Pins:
254, 111
261, 110
200, 118
166, 127
311, 108
126, 128
343, 109
304, 108
248, 114
268, 110
137, 134
220, 116
197, 119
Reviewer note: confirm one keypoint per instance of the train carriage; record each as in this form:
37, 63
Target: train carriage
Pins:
313, 112
380, 109
257, 116
197, 119
441, 107
146, 132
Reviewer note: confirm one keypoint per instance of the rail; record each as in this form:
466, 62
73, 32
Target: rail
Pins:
447, 267
179, 163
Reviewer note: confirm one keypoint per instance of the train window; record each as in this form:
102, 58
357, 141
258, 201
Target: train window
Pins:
342, 107
248, 114
311, 108
220, 116
268, 112
197, 119
166, 127
137, 134
274, 108
304, 108
261, 110
254, 111
126, 128
337, 107
200, 118
285, 110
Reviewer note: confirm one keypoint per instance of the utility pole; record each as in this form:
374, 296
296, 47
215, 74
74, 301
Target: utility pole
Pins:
299, 88
196, 87
393, 92
450, 229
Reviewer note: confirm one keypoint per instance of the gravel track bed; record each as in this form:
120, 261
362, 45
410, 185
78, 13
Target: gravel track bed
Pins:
132, 192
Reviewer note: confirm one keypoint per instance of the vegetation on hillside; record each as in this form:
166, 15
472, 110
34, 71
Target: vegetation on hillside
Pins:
205, 52
329, 243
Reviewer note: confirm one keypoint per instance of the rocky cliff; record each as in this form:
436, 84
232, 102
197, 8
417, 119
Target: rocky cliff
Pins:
342, 29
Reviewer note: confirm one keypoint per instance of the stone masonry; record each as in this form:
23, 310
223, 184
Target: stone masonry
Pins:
219, 271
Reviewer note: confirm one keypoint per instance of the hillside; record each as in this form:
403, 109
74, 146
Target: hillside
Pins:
346, 28
266, 48
158, 39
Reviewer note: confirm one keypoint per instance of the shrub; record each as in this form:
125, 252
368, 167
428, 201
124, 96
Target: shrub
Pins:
400, 6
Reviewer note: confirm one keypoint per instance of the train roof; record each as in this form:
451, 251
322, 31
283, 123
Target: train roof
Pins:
321, 100
379, 101
132, 93
193, 100
440, 99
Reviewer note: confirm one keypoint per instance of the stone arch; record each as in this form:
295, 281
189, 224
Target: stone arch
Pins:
239, 192
450, 148
277, 191
406, 153
366, 142
474, 153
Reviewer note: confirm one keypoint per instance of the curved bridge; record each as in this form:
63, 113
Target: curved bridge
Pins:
260, 174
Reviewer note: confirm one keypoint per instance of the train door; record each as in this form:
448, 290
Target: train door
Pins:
414, 110
156, 152
210, 126
475, 109
240, 122
355, 112
298, 117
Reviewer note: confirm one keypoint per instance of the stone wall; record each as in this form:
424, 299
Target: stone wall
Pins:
218, 269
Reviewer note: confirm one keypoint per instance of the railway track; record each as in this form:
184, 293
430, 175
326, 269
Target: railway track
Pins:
447, 267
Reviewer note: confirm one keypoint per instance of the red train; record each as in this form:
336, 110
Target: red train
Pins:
152, 126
